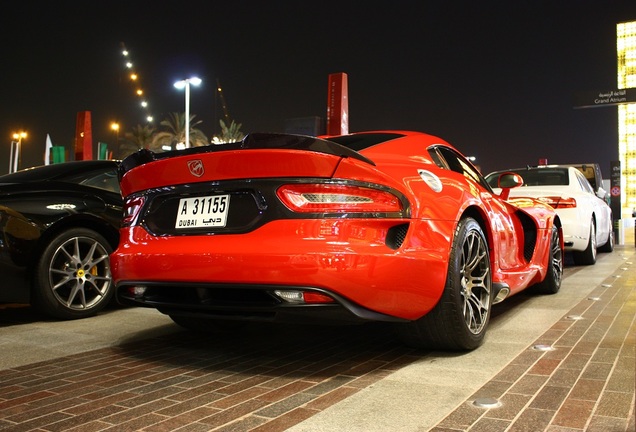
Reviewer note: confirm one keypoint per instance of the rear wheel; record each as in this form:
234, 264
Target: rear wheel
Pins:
72, 277
554, 272
588, 256
460, 319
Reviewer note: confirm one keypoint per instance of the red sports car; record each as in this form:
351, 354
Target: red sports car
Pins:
390, 226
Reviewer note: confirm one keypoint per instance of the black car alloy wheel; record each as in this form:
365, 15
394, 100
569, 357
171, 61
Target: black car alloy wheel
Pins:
73, 278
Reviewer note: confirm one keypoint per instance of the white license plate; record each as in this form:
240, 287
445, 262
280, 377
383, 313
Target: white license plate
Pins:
202, 212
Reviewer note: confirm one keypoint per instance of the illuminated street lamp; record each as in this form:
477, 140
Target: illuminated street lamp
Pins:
16, 146
186, 84
115, 127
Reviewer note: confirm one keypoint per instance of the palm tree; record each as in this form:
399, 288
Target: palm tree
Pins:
138, 138
175, 133
229, 134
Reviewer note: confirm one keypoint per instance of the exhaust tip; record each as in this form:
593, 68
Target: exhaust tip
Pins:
500, 291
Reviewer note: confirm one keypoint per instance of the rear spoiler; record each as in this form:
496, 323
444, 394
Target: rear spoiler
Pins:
251, 141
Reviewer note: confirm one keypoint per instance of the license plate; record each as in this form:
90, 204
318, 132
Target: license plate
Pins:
202, 212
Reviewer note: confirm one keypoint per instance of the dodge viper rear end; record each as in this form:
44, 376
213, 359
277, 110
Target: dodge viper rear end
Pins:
364, 227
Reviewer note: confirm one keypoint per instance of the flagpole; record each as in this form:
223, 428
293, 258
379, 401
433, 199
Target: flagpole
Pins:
47, 151
11, 157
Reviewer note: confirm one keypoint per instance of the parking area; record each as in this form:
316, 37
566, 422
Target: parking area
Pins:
555, 363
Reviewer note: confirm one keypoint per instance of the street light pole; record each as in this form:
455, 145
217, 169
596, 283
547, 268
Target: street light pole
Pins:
186, 84
16, 156
187, 114
115, 127
12, 156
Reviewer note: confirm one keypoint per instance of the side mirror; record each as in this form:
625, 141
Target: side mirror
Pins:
507, 181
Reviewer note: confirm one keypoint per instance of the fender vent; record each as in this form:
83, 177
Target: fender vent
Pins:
396, 235
529, 236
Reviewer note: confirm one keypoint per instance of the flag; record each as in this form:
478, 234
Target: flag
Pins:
102, 150
47, 152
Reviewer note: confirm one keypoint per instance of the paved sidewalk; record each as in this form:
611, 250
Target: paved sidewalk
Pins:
562, 363
584, 381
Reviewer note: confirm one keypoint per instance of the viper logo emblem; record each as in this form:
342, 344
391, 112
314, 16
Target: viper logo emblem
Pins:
196, 167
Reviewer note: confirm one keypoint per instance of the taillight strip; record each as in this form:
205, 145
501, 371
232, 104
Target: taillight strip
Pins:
558, 202
337, 198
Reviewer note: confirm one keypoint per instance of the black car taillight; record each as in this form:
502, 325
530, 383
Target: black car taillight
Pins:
337, 198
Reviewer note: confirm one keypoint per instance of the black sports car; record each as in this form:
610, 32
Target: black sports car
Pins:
58, 225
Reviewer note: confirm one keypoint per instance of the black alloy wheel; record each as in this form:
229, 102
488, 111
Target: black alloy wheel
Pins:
554, 271
460, 318
72, 278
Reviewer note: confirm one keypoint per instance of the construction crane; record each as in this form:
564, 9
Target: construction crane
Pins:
226, 115
230, 131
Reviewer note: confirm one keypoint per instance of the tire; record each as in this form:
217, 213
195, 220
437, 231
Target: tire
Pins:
588, 256
72, 276
609, 244
554, 273
460, 318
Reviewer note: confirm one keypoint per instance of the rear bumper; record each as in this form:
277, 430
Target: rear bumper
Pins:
245, 303
576, 228
348, 260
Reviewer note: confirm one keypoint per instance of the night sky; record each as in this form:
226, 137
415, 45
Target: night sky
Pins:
494, 78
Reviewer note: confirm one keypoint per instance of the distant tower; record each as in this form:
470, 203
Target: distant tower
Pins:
83, 136
338, 105
626, 50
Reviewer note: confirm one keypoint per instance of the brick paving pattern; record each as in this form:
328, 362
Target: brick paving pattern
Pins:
584, 383
268, 378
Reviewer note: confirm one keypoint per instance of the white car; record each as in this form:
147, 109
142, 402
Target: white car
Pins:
586, 218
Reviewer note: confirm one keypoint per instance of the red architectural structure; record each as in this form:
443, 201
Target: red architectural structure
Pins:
338, 105
83, 136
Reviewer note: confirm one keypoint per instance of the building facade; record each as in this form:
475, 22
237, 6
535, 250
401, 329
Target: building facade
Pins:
626, 50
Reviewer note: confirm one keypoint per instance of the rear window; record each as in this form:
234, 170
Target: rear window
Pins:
362, 141
545, 177
106, 180
536, 176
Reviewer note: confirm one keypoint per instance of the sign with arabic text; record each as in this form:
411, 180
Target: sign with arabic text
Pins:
604, 98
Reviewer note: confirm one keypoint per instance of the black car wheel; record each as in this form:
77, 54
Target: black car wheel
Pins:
588, 256
73, 278
460, 318
554, 272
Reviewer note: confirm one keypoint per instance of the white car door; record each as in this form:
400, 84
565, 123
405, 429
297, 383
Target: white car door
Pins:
601, 210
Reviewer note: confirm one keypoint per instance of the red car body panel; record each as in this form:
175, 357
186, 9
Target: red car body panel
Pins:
231, 165
299, 254
346, 257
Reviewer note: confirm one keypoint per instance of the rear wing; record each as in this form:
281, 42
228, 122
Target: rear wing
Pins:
251, 141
